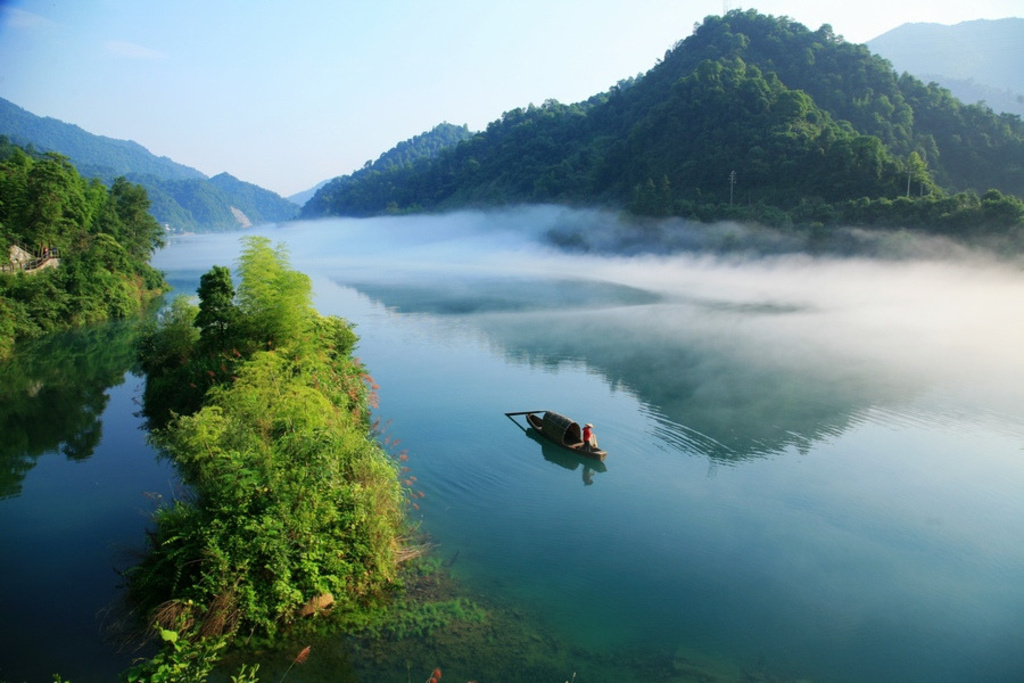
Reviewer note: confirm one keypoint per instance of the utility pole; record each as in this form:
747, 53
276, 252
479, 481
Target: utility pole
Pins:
732, 183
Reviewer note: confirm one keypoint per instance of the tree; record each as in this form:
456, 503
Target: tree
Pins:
13, 194
275, 301
166, 355
217, 312
55, 210
917, 174
138, 231
105, 239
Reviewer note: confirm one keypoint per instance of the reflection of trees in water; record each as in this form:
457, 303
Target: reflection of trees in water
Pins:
53, 392
468, 295
724, 400
707, 390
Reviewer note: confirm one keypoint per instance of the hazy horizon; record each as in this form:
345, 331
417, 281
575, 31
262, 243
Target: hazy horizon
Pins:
286, 96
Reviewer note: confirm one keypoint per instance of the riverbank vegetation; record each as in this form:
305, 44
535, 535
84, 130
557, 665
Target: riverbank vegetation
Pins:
294, 513
74, 250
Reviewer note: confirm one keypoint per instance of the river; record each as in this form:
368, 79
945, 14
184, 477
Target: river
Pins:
814, 471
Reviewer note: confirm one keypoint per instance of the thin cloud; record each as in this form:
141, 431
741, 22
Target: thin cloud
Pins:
12, 17
123, 48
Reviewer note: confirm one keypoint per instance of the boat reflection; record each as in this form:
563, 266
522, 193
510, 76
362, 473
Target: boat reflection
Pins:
567, 459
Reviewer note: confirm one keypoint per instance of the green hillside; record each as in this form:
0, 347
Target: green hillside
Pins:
181, 197
399, 161
751, 117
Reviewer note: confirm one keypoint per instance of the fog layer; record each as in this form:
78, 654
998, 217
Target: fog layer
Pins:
804, 344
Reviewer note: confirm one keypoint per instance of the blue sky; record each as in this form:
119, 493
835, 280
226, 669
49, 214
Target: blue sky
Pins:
286, 94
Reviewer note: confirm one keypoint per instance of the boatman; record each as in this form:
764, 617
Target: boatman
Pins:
589, 440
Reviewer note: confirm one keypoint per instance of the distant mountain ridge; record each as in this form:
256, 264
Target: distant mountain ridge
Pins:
750, 116
981, 60
93, 155
300, 198
181, 197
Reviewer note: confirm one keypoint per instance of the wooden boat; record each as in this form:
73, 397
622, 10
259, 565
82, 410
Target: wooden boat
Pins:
559, 430
564, 457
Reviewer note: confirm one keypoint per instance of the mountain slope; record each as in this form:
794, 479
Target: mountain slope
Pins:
261, 206
300, 198
181, 197
94, 155
397, 161
976, 60
748, 109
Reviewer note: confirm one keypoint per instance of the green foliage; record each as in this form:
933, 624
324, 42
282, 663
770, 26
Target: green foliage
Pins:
274, 302
166, 353
12, 321
104, 240
292, 497
182, 659
135, 228
398, 161
802, 118
182, 197
217, 313
196, 348
186, 657
961, 215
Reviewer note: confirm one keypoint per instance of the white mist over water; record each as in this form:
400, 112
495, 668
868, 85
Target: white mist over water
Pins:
959, 318
944, 327
958, 322
947, 331
815, 459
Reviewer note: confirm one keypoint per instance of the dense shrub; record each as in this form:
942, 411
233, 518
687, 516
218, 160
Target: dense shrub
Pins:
293, 508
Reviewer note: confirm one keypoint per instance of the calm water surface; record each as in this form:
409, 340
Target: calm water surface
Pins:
77, 486
815, 467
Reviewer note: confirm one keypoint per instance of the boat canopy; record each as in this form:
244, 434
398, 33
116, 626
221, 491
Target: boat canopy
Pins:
560, 427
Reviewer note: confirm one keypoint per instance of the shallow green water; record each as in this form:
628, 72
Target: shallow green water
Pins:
815, 468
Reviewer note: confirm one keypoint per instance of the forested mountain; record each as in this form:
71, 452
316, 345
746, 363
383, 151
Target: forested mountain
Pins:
979, 60
93, 155
261, 206
751, 116
181, 197
395, 163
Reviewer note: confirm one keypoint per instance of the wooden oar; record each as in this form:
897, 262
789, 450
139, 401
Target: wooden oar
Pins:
511, 416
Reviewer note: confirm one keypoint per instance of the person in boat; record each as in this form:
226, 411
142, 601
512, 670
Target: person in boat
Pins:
589, 439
